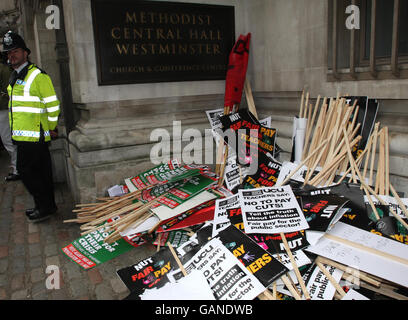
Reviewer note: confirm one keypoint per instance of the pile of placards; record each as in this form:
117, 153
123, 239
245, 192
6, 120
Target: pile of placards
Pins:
327, 225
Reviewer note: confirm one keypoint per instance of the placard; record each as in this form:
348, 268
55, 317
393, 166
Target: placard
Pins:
227, 277
257, 260
90, 250
271, 210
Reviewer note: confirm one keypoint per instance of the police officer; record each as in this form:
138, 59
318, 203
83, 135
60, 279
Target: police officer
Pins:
33, 114
5, 133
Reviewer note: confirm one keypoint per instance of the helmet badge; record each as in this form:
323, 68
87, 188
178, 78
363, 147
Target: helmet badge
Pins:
7, 39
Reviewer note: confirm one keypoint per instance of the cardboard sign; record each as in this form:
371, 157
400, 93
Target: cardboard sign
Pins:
234, 173
151, 176
261, 140
257, 260
321, 212
318, 285
362, 250
197, 215
271, 210
270, 242
188, 249
90, 250
227, 277
388, 226
266, 176
221, 219
176, 238
164, 212
148, 273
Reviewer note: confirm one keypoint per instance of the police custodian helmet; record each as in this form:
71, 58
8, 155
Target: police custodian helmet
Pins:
12, 40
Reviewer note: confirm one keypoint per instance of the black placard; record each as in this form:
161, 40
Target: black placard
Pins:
154, 41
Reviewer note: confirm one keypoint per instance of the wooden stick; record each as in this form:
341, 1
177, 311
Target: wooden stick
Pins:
399, 201
310, 123
381, 200
137, 221
331, 279
330, 165
292, 290
359, 246
358, 161
357, 273
303, 162
387, 161
222, 168
368, 151
82, 205
274, 291
372, 204
266, 295
301, 104
318, 131
250, 98
381, 165
351, 278
158, 241
377, 197
349, 155
385, 292
306, 104
288, 277
221, 145
154, 227
375, 135
177, 259
125, 209
295, 267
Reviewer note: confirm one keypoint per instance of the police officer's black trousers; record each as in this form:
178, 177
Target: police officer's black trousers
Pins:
35, 168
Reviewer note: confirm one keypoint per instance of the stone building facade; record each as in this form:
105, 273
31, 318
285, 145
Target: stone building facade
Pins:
105, 130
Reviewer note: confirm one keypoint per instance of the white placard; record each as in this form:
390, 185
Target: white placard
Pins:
233, 173
271, 210
319, 286
226, 275
194, 286
388, 259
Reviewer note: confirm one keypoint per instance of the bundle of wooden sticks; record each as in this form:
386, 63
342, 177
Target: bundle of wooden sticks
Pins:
330, 137
115, 214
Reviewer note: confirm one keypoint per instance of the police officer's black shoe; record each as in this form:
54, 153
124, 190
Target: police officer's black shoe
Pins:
12, 177
30, 211
37, 216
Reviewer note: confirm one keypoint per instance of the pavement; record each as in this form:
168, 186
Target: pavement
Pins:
27, 249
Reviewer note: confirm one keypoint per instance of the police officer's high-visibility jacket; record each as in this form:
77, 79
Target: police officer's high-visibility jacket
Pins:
33, 105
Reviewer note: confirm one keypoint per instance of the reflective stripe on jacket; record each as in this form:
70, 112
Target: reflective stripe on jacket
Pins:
33, 105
